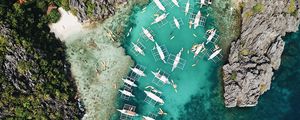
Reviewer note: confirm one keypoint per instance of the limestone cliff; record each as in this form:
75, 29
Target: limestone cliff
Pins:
94, 9
256, 54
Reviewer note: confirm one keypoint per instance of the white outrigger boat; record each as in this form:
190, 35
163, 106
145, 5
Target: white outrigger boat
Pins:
148, 118
159, 5
209, 2
199, 49
160, 52
202, 2
187, 7
175, 2
138, 49
160, 18
214, 54
128, 112
162, 78
127, 93
197, 19
129, 82
154, 97
138, 71
176, 23
212, 33
148, 34
177, 59
129, 32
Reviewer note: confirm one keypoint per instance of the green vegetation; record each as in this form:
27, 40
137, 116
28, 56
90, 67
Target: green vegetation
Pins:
90, 9
48, 87
74, 11
263, 88
3, 43
292, 8
245, 52
258, 8
64, 4
234, 75
23, 66
54, 16
242, 5
248, 14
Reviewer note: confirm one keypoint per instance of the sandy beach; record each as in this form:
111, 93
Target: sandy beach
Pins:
67, 25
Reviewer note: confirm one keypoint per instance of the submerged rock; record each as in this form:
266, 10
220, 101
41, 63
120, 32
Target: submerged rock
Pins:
257, 53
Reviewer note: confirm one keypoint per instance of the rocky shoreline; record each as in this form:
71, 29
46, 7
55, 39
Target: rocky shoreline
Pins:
95, 9
26, 89
257, 53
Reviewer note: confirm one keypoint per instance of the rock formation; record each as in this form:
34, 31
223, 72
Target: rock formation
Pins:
256, 54
94, 9
25, 84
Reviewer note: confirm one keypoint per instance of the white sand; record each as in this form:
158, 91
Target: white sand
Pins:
67, 25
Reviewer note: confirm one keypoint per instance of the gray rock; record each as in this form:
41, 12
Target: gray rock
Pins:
102, 9
247, 76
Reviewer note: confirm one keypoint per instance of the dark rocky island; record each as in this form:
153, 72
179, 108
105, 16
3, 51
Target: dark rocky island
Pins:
257, 53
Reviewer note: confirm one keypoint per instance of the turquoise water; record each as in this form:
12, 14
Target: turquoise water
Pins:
191, 80
200, 91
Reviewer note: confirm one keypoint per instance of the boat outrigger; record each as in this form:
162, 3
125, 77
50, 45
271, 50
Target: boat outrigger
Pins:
159, 5
187, 7
176, 23
212, 33
154, 97
214, 54
160, 52
138, 49
199, 48
177, 59
175, 2
127, 93
148, 118
128, 112
138, 71
160, 18
148, 34
129, 82
197, 19
172, 37
162, 78
153, 89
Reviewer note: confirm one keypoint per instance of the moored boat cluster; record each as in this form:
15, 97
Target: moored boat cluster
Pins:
154, 96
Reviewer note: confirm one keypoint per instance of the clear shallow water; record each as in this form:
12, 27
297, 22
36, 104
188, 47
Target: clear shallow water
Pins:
200, 94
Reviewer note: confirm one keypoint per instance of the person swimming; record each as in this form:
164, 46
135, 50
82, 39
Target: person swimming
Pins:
161, 112
174, 86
